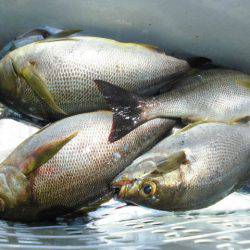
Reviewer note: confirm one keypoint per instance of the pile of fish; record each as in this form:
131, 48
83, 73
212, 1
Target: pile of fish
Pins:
110, 108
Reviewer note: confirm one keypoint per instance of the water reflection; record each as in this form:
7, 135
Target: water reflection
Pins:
115, 225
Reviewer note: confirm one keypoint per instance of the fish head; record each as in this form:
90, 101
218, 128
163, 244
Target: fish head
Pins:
14, 189
145, 183
8, 78
11, 80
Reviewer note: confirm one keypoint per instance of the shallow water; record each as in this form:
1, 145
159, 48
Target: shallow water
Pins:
114, 225
225, 225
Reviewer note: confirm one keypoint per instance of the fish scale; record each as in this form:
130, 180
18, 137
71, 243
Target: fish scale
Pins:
68, 67
81, 172
214, 95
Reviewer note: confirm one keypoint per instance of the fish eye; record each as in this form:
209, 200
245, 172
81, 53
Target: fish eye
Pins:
148, 188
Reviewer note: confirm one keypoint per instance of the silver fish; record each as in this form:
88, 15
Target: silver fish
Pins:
210, 95
192, 169
53, 78
69, 165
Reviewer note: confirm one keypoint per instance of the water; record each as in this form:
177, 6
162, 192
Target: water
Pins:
117, 226
225, 225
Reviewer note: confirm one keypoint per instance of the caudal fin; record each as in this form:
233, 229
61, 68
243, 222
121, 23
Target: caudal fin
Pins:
127, 109
199, 62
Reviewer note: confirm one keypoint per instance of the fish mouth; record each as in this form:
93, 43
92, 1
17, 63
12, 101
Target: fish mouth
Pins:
121, 187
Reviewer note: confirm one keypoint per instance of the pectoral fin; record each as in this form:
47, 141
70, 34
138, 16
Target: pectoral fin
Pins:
43, 153
38, 84
171, 163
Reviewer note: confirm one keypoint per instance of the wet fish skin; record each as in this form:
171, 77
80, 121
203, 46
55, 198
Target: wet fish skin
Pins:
210, 95
192, 169
53, 78
68, 165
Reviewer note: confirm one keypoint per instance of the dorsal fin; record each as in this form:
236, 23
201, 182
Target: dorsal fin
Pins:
150, 47
65, 33
58, 39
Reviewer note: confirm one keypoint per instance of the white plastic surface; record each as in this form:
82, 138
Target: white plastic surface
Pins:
217, 29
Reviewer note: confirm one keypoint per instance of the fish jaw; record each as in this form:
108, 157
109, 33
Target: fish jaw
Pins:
121, 187
125, 190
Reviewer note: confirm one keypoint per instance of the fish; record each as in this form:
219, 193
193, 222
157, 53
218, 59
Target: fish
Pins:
191, 169
53, 78
213, 95
68, 165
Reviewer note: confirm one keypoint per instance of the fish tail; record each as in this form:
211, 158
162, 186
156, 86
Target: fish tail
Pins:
199, 62
128, 109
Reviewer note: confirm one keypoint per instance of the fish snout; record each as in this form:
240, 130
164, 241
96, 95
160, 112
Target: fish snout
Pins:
116, 189
120, 188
